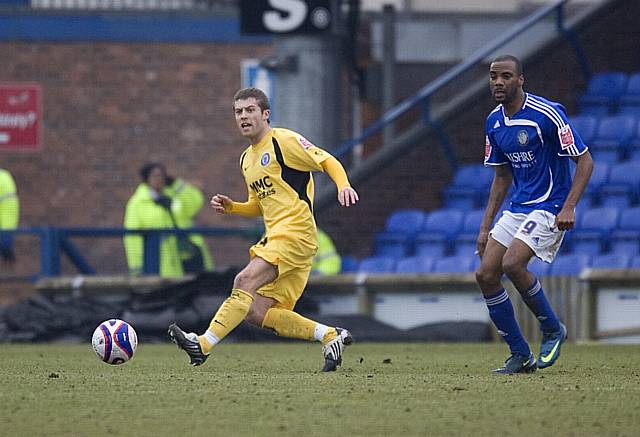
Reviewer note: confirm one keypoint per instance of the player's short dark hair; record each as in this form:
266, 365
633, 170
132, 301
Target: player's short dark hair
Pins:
145, 170
256, 93
511, 58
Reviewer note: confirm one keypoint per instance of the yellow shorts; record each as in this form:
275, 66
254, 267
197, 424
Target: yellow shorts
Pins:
293, 260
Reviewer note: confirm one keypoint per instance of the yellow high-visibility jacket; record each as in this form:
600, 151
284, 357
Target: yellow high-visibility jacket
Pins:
9, 204
143, 213
187, 200
327, 261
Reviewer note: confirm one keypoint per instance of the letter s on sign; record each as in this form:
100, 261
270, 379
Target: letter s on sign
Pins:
294, 14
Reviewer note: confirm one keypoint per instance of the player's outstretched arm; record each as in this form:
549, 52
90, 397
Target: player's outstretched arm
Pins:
347, 196
225, 205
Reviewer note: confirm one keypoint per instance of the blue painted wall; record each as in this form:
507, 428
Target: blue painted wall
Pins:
123, 28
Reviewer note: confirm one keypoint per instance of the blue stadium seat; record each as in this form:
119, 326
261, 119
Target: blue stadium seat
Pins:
630, 98
465, 242
438, 230
399, 232
632, 110
349, 264
599, 177
635, 262
612, 138
393, 244
456, 264
377, 264
470, 183
569, 265
625, 239
622, 188
633, 148
539, 268
603, 90
593, 230
611, 261
586, 126
415, 264
408, 221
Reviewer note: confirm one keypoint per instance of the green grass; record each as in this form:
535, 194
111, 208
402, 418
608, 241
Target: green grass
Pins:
276, 389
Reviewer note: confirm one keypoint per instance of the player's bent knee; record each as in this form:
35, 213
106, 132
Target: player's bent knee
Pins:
255, 316
486, 276
243, 281
513, 267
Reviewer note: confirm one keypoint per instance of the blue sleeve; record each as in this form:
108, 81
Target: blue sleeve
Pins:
492, 153
568, 140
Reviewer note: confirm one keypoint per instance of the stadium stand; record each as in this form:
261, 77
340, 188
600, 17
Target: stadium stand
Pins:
470, 183
456, 264
623, 185
438, 231
612, 137
625, 239
569, 265
593, 230
611, 261
415, 264
602, 93
377, 264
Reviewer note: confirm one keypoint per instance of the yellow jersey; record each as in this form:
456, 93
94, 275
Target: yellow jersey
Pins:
277, 172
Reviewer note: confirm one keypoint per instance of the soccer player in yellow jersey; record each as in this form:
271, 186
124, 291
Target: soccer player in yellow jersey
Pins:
277, 169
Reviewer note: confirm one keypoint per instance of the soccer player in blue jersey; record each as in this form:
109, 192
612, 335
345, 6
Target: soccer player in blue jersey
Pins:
529, 142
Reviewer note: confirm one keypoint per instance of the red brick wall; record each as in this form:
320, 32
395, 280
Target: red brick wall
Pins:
108, 109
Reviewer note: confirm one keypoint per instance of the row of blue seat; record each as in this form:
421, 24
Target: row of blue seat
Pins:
564, 265
454, 232
612, 138
609, 92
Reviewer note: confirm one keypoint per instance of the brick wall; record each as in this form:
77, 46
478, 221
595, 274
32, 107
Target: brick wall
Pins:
108, 109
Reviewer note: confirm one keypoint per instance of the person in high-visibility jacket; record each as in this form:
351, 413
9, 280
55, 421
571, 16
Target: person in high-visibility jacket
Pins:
187, 200
327, 261
148, 208
9, 214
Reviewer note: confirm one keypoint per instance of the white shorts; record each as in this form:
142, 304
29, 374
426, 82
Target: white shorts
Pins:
536, 229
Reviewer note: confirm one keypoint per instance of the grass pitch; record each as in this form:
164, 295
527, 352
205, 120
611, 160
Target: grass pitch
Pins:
277, 390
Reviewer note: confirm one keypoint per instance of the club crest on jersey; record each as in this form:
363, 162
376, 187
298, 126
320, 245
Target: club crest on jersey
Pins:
305, 143
523, 138
265, 159
566, 137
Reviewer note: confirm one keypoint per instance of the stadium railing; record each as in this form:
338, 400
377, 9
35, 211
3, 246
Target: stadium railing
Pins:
431, 117
56, 242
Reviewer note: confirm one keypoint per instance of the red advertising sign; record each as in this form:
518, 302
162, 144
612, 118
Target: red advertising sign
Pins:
20, 115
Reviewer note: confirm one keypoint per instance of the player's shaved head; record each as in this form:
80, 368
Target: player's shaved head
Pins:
510, 58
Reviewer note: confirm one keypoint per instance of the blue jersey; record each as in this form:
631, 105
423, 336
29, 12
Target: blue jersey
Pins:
536, 143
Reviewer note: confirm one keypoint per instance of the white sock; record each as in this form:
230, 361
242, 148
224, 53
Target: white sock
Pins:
211, 338
319, 331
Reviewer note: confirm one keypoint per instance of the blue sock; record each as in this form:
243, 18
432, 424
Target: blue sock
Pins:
539, 305
502, 315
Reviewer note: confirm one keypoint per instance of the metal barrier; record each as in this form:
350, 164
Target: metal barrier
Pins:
422, 98
601, 304
56, 242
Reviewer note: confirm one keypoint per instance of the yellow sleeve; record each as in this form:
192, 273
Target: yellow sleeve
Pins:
246, 209
250, 208
335, 170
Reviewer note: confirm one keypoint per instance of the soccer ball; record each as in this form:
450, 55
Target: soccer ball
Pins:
114, 341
